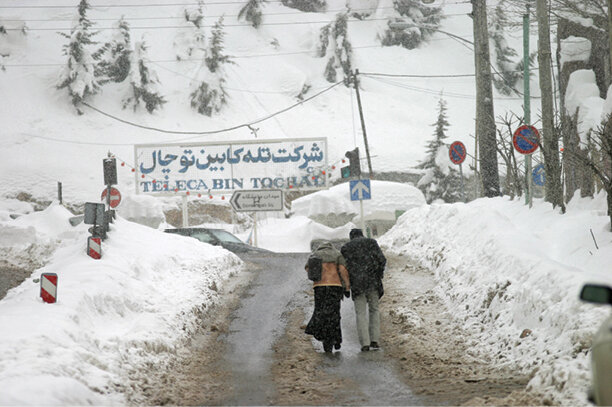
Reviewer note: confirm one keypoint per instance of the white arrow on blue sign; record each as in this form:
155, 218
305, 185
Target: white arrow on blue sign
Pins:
539, 175
360, 189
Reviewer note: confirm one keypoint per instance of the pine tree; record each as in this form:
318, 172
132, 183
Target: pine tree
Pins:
208, 95
78, 76
509, 70
415, 13
252, 12
333, 41
440, 180
143, 82
116, 54
191, 40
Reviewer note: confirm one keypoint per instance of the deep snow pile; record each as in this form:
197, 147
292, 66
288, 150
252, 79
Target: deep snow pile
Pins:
113, 316
504, 268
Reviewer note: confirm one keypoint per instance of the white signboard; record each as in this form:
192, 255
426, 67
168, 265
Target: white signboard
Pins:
288, 164
258, 200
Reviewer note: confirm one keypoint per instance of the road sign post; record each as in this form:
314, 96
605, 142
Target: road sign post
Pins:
359, 190
526, 140
457, 153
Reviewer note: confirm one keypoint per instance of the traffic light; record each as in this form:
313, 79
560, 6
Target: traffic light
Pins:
354, 163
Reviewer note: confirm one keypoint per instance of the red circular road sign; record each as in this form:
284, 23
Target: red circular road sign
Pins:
457, 152
115, 197
526, 139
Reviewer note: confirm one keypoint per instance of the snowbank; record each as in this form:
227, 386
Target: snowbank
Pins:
113, 316
509, 272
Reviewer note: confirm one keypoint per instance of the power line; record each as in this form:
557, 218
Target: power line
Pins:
53, 6
127, 5
200, 133
156, 27
182, 18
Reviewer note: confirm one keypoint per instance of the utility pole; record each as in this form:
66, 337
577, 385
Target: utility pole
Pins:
363, 128
485, 116
552, 188
527, 105
610, 35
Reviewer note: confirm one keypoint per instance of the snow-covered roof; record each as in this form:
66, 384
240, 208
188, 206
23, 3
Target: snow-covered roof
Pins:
386, 196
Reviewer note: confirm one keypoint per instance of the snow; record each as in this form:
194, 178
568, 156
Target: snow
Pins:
582, 96
500, 266
135, 305
503, 268
575, 49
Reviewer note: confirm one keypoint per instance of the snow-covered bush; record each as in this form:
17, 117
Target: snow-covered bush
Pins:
252, 12
421, 21
309, 6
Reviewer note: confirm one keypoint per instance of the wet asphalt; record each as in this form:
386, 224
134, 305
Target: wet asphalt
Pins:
260, 320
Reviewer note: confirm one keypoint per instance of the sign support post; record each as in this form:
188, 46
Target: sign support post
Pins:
526, 104
185, 212
525, 141
457, 153
359, 190
255, 229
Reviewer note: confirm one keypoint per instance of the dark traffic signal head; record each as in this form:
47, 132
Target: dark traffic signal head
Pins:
354, 163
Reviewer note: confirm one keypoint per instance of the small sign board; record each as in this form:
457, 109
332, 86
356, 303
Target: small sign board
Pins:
457, 152
94, 213
526, 139
539, 175
360, 189
48, 287
257, 200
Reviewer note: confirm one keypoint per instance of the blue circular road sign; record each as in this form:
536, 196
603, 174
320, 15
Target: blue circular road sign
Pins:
539, 175
457, 152
526, 139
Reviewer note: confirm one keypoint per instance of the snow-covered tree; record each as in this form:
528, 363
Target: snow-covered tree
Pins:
78, 76
252, 12
440, 180
422, 19
309, 6
509, 66
143, 82
116, 54
334, 44
208, 95
190, 41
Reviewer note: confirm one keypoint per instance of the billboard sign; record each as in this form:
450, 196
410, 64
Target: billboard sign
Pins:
216, 167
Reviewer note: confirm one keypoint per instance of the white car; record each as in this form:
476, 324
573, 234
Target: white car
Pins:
601, 349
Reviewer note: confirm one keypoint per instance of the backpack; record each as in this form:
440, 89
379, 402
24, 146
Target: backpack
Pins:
315, 267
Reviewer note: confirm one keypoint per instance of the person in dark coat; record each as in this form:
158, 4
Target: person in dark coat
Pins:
365, 262
334, 281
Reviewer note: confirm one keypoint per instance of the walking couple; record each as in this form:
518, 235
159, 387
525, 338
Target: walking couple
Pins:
355, 271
